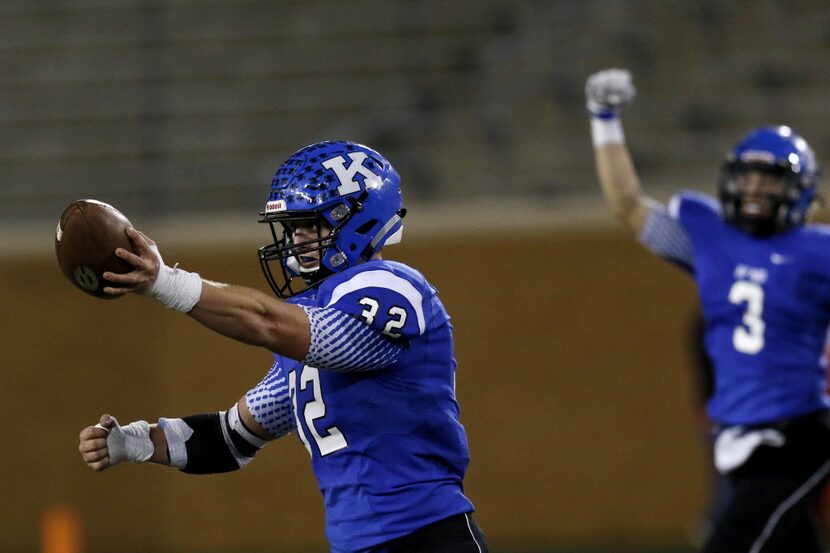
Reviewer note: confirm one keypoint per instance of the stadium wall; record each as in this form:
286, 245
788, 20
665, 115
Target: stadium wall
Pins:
575, 383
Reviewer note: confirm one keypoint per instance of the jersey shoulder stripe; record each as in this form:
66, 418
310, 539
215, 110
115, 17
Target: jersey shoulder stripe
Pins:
385, 279
698, 213
688, 199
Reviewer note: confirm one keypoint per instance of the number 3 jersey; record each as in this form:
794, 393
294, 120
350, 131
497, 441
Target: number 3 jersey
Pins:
380, 421
766, 302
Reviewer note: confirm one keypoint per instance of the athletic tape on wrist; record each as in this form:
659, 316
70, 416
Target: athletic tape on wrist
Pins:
177, 432
606, 131
130, 443
177, 289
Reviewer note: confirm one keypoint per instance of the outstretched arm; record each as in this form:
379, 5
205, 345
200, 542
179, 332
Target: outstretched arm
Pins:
254, 317
606, 93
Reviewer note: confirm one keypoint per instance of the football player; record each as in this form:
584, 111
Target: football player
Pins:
363, 370
763, 278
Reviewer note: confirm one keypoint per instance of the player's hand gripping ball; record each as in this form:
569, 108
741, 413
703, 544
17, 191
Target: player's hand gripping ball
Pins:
88, 233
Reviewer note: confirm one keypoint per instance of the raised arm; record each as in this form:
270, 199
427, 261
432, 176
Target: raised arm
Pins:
606, 93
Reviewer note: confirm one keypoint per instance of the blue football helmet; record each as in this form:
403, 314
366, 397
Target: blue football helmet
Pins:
777, 151
345, 187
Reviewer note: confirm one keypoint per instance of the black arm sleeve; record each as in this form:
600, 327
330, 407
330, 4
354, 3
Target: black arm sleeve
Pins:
207, 452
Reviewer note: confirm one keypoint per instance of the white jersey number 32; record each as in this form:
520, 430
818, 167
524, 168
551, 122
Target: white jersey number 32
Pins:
749, 337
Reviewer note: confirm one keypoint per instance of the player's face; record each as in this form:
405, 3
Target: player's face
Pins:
759, 193
304, 232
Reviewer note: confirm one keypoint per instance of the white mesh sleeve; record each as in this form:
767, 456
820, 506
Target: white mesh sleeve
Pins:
343, 343
663, 235
270, 404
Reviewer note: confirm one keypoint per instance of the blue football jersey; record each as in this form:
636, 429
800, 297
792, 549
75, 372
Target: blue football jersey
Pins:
387, 447
766, 303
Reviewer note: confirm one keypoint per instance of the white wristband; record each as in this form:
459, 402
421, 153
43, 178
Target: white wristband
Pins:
606, 131
177, 289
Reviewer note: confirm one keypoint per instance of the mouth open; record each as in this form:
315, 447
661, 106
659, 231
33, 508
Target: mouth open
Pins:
756, 207
308, 263
752, 208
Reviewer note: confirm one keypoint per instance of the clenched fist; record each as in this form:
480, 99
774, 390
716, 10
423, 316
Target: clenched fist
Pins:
107, 443
609, 90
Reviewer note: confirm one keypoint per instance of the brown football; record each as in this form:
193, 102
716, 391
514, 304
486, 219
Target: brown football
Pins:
88, 233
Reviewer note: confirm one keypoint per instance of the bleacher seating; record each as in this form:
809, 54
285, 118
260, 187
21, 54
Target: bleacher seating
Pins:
170, 106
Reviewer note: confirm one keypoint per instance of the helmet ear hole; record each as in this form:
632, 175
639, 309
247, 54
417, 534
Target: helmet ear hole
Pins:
366, 227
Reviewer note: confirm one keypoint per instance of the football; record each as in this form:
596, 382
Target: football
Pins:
88, 233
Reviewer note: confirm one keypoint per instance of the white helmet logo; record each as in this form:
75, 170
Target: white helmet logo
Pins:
346, 174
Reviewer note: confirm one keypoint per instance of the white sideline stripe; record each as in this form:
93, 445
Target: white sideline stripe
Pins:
382, 279
470, 528
785, 506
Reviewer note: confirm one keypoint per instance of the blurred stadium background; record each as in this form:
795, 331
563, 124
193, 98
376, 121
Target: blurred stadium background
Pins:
577, 384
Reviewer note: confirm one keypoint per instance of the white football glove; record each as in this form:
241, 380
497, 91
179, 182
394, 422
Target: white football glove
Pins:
129, 443
609, 90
